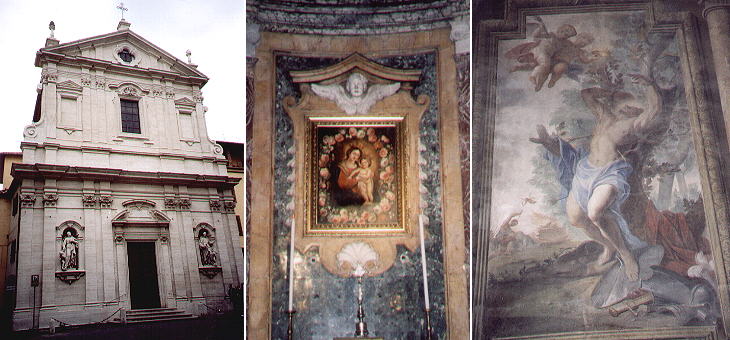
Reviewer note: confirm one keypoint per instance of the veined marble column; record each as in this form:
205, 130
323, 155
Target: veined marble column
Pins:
717, 14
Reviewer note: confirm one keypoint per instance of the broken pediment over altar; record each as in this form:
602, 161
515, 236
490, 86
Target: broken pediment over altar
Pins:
329, 90
356, 104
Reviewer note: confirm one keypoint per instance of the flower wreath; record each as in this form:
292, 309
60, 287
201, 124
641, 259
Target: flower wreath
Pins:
382, 208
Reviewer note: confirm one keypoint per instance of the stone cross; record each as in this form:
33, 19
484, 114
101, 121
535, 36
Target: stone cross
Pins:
122, 9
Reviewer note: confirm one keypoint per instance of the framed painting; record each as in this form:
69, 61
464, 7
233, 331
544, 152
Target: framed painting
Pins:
601, 210
356, 175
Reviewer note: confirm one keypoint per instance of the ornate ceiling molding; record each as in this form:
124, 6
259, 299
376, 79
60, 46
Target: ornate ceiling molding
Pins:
353, 17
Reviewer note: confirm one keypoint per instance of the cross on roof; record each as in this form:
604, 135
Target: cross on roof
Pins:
122, 9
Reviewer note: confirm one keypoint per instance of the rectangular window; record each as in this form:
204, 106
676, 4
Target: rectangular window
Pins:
130, 116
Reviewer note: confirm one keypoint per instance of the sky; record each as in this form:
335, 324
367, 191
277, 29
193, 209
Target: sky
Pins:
213, 30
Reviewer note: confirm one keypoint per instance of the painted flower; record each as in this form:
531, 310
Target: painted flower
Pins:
385, 176
385, 205
390, 195
323, 184
378, 145
383, 152
384, 161
372, 218
329, 140
339, 137
343, 131
371, 132
324, 173
377, 209
322, 201
352, 132
361, 134
385, 139
372, 138
322, 212
323, 160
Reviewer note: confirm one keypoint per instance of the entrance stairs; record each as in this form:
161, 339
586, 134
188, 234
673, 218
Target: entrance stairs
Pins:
155, 314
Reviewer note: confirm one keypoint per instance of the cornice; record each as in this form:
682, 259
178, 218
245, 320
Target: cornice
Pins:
67, 172
216, 158
354, 17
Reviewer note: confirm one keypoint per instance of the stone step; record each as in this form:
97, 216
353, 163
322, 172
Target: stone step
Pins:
138, 314
154, 315
146, 310
170, 318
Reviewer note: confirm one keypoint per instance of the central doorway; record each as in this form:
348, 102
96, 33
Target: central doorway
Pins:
143, 288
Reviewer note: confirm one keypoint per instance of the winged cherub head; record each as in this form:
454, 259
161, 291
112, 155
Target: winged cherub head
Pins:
357, 84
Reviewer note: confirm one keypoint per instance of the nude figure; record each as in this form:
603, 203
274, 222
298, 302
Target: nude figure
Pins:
364, 180
570, 54
599, 185
550, 53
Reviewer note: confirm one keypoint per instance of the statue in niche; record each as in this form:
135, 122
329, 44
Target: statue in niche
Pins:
356, 98
69, 253
208, 256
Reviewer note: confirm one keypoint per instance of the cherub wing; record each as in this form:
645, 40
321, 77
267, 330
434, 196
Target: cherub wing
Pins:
374, 95
331, 92
336, 93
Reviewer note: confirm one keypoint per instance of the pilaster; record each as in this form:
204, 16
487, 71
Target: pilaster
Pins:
717, 14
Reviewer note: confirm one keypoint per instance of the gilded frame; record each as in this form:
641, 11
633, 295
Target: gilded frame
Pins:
332, 210
709, 147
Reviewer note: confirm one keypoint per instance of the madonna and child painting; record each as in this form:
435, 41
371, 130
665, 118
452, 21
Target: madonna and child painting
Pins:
598, 222
357, 184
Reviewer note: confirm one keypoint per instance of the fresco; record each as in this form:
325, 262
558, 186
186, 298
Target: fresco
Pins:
597, 220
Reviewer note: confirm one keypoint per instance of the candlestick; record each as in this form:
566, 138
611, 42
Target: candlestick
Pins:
423, 264
428, 324
291, 266
290, 328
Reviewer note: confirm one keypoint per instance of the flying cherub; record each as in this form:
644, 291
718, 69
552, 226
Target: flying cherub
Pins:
356, 98
550, 53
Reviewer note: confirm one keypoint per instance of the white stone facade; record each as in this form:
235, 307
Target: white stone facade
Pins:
81, 173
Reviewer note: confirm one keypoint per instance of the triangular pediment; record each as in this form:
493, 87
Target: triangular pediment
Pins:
105, 48
69, 85
355, 61
184, 101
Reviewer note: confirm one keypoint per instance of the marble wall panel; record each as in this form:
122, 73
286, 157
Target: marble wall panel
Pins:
325, 303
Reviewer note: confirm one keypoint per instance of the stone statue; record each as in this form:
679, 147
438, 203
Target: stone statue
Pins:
357, 98
208, 256
69, 253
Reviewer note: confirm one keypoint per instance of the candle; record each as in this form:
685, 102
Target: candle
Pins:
423, 264
291, 267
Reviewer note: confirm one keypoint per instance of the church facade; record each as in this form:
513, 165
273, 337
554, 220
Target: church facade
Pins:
121, 202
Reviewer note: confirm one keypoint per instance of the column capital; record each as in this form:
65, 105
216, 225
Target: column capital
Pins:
711, 5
